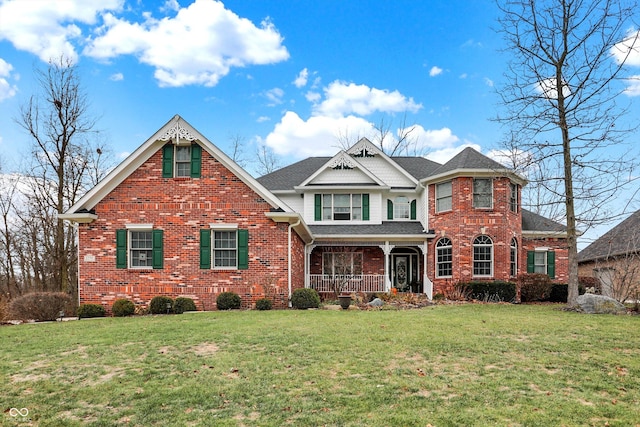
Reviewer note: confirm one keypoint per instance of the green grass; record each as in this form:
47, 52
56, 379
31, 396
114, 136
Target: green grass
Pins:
444, 365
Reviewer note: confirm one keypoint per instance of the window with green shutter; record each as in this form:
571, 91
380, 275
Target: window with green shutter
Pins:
224, 249
414, 209
157, 249
181, 161
121, 248
141, 248
389, 209
542, 262
365, 207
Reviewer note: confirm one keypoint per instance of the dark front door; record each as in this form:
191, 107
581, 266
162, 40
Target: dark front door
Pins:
402, 271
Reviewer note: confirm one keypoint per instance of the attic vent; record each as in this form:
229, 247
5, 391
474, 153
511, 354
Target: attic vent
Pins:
364, 153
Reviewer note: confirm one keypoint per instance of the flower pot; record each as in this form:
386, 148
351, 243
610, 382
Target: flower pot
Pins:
345, 301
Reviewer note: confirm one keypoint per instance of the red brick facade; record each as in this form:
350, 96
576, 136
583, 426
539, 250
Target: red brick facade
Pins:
181, 207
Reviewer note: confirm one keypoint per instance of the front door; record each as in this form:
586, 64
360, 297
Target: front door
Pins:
401, 272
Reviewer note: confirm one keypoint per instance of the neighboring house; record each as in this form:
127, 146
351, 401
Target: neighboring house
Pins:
614, 259
178, 217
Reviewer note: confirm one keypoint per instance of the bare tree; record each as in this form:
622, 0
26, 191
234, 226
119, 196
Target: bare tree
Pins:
267, 161
238, 150
560, 103
65, 161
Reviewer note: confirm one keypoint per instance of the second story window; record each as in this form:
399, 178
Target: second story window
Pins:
401, 208
341, 207
482, 193
443, 196
513, 197
181, 161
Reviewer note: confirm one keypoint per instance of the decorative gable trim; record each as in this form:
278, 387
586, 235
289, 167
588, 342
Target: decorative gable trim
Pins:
366, 148
342, 160
179, 134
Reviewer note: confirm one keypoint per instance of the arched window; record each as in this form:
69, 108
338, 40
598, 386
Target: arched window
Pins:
401, 208
444, 258
483, 256
513, 258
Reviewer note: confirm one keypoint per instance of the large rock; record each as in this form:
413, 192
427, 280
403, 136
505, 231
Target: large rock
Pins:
600, 304
377, 302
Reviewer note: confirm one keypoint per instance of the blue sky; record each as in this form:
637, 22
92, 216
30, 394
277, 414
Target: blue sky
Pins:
291, 75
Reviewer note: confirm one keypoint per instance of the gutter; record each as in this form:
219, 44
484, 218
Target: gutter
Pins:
289, 254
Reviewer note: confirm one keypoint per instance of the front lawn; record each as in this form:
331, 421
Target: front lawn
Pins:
443, 365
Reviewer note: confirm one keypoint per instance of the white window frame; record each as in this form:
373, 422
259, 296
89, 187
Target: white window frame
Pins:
446, 200
513, 257
330, 211
482, 245
352, 264
513, 197
178, 163
223, 228
401, 208
477, 196
148, 252
439, 263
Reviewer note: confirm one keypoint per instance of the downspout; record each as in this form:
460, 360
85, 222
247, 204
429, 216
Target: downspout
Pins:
289, 249
427, 285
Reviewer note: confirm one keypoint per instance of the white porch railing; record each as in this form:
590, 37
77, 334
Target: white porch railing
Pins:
361, 283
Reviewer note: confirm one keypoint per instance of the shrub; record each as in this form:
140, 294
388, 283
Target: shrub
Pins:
228, 301
86, 311
182, 304
305, 298
460, 292
38, 306
491, 291
123, 308
535, 287
591, 283
158, 305
264, 304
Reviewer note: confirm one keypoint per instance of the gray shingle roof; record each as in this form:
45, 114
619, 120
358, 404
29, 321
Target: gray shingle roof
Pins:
469, 159
418, 167
534, 222
386, 228
621, 239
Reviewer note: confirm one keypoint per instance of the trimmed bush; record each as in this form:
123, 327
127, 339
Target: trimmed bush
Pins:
158, 305
535, 287
182, 304
122, 308
228, 301
305, 298
38, 306
264, 304
491, 291
86, 311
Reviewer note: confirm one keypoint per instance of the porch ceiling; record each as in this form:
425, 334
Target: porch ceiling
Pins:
387, 231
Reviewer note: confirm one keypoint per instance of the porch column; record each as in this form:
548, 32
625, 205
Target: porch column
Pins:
387, 248
427, 284
307, 263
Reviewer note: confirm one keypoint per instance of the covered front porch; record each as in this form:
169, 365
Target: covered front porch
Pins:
371, 267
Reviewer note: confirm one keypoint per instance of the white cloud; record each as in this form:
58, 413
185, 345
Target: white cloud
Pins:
444, 155
47, 28
548, 89
433, 138
263, 119
633, 88
117, 77
197, 46
628, 50
274, 96
170, 5
488, 81
435, 71
313, 96
463, 75
301, 79
7, 90
317, 136
343, 99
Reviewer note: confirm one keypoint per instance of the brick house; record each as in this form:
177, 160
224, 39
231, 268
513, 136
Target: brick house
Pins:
178, 217
413, 224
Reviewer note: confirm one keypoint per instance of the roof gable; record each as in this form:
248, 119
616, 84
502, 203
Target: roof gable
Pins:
620, 240
179, 131
342, 169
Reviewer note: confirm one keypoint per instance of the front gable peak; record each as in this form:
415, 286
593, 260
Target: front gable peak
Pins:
342, 169
364, 148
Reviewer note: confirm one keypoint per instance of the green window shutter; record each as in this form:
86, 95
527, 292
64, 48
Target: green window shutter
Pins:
167, 161
243, 249
157, 252
318, 207
413, 209
205, 248
365, 207
121, 248
551, 264
389, 209
196, 160
531, 262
